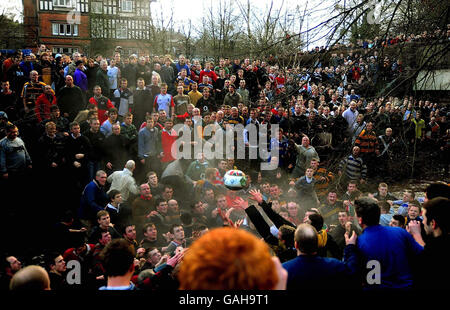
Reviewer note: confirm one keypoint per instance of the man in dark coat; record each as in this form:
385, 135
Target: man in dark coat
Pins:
130, 72
102, 79
433, 270
93, 199
50, 164
71, 99
143, 103
77, 148
310, 271
116, 150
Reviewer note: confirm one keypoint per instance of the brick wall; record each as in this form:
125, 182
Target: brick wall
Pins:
46, 19
30, 23
46, 36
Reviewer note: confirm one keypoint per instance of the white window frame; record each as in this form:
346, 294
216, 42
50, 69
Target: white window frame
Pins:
55, 29
75, 30
97, 7
60, 29
62, 3
60, 50
121, 28
127, 6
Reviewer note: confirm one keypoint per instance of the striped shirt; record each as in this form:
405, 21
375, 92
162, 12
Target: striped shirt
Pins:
321, 186
31, 91
367, 142
355, 168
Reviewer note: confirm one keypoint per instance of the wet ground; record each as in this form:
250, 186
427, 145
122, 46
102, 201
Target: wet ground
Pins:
417, 185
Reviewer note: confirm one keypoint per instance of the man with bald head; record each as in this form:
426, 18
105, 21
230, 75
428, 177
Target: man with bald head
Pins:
31, 91
305, 153
310, 271
386, 143
116, 147
30, 278
141, 208
71, 99
123, 181
351, 114
353, 168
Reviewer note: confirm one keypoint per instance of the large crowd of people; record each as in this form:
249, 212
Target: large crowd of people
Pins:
87, 157
438, 35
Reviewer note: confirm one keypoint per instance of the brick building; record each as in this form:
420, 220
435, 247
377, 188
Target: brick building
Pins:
88, 26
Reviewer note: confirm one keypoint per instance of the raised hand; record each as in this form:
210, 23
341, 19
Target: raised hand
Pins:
350, 240
256, 195
226, 217
240, 203
413, 227
174, 260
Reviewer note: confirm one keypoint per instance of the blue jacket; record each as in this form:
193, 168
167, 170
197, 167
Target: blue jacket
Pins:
14, 156
394, 248
185, 66
27, 67
80, 79
149, 142
316, 272
93, 199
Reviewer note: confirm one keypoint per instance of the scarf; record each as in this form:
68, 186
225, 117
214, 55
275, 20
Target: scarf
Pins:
322, 238
146, 198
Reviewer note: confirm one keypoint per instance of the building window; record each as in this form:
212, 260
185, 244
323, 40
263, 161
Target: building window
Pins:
65, 30
97, 29
65, 50
127, 6
97, 7
64, 3
121, 31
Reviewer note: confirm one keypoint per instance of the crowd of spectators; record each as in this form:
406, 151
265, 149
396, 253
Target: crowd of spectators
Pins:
441, 35
91, 140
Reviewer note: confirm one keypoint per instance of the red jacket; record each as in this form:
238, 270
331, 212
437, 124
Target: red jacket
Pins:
102, 108
69, 254
211, 74
167, 140
42, 107
356, 73
195, 77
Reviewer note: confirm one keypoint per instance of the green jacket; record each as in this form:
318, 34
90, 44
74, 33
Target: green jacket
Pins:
232, 100
103, 81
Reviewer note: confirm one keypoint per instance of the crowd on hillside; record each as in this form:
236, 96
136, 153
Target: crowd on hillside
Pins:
439, 35
91, 139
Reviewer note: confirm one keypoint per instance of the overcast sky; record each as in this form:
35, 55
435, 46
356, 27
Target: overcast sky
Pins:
11, 6
183, 9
